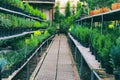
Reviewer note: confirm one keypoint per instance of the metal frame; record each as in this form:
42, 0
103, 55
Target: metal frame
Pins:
19, 13
27, 62
93, 73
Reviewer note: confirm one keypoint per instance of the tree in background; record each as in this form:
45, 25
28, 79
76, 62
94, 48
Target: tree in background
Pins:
57, 13
67, 9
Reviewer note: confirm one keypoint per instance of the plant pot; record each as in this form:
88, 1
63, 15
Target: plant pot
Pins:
114, 6
96, 12
118, 5
116, 75
106, 10
91, 13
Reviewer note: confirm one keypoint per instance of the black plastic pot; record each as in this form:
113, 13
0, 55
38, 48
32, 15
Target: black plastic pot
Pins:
117, 76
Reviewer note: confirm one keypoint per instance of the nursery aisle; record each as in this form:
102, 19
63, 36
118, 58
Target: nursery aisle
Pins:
58, 64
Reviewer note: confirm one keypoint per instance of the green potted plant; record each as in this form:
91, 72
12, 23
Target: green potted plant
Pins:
115, 59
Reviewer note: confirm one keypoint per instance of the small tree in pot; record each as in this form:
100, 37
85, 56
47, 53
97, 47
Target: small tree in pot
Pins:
115, 59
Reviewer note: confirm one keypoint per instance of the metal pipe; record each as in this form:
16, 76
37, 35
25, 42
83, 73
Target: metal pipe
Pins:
102, 23
81, 65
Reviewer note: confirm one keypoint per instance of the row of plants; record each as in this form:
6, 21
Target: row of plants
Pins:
12, 21
105, 47
18, 5
19, 50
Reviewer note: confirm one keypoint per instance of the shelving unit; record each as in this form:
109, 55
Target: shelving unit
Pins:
108, 16
18, 35
27, 61
19, 13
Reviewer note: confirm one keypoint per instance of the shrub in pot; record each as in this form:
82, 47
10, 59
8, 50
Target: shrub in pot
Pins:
115, 59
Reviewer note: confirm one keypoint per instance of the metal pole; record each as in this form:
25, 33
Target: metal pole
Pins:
91, 23
36, 57
47, 43
41, 49
81, 23
81, 65
75, 53
78, 22
102, 24
0, 74
27, 71
92, 75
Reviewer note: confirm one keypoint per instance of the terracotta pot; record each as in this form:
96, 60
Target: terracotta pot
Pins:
114, 6
106, 10
118, 5
91, 13
101, 10
96, 12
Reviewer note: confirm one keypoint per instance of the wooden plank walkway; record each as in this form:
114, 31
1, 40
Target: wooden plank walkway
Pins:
58, 63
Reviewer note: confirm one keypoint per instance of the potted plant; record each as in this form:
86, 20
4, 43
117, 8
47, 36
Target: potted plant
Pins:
115, 59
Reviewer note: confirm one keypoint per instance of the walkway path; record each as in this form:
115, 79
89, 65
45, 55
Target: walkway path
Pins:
58, 62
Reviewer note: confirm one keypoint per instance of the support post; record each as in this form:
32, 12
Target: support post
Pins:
81, 22
102, 24
92, 75
27, 66
41, 49
75, 53
36, 57
91, 23
47, 43
0, 74
78, 22
81, 65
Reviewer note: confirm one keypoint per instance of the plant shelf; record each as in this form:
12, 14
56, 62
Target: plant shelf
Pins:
21, 14
108, 16
25, 63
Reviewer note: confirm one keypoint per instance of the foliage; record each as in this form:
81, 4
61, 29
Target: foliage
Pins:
21, 48
25, 7
101, 43
104, 3
37, 24
66, 23
51, 30
57, 13
67, 9
115, 55
11, 21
